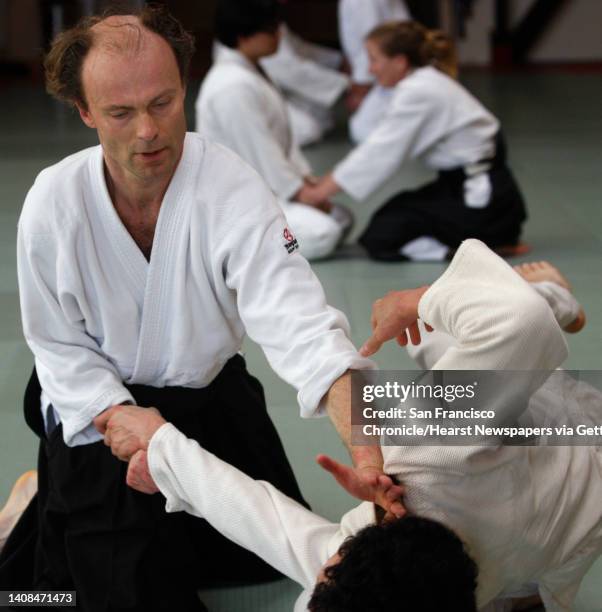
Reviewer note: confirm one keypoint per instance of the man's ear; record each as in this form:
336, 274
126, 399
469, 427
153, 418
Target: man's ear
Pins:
85, 114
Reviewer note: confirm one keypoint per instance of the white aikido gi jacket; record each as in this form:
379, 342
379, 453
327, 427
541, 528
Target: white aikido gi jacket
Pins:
309, 78
431, 117
97, 313
527, 514
238, 108
357, 18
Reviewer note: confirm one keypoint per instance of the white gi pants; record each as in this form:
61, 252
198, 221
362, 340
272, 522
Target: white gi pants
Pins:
434, 344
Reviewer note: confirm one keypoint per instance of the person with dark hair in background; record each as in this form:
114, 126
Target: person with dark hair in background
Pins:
526, 518
433, 118
240, 108
142, 263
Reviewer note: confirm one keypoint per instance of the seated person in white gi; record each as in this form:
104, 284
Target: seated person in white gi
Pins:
142, 264
310, 79
523, 514
239, 107
367, 100
433, 118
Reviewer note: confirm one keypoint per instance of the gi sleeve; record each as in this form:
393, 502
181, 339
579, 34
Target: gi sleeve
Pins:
498, 320
73, 372
251, 513
298, 67
299, 161
304, 49
250, 136
281, 302
410, 126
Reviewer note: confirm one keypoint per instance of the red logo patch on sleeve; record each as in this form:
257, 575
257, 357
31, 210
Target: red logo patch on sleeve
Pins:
290, 242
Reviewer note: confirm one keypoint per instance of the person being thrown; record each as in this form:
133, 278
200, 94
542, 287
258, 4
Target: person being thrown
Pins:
476, 536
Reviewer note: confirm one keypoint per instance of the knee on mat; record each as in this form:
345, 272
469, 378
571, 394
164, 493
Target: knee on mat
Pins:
320, 244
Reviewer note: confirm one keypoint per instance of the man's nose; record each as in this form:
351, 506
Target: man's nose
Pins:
147, 128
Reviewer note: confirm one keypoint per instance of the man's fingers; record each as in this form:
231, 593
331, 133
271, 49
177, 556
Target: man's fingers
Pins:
394, 493
371, 346
414, 334
124, 449
101, 421
397, 510
385, 481
330, 465
402, 339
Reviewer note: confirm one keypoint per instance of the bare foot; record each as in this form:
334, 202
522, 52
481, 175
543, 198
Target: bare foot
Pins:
20, 496
539, 271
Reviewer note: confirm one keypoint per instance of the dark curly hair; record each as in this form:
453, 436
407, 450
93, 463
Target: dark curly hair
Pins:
63, 63
413, 564
242, 18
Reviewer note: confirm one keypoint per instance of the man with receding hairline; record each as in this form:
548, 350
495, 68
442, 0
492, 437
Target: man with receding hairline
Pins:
143, 262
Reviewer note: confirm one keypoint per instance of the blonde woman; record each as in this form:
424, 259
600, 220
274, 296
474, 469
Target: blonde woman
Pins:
433, 118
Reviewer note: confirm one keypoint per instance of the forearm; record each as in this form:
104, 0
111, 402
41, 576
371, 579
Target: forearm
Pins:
338, 406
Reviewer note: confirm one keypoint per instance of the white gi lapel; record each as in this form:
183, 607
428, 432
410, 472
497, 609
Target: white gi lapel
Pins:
161, 272
121, 242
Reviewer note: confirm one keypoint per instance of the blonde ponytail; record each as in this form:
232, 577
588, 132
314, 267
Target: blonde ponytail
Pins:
439, 50
421, 46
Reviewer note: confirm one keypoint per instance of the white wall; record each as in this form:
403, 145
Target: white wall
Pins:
575, 35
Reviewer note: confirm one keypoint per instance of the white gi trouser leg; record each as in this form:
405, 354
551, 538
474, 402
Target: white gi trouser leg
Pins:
370, 112
434, 344
425, 248
318, 233
309, 78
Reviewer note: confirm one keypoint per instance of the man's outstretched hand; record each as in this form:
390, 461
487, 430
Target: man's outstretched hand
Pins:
395, 316
367, 484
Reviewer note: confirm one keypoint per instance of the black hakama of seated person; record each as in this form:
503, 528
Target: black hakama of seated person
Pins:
438, 209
